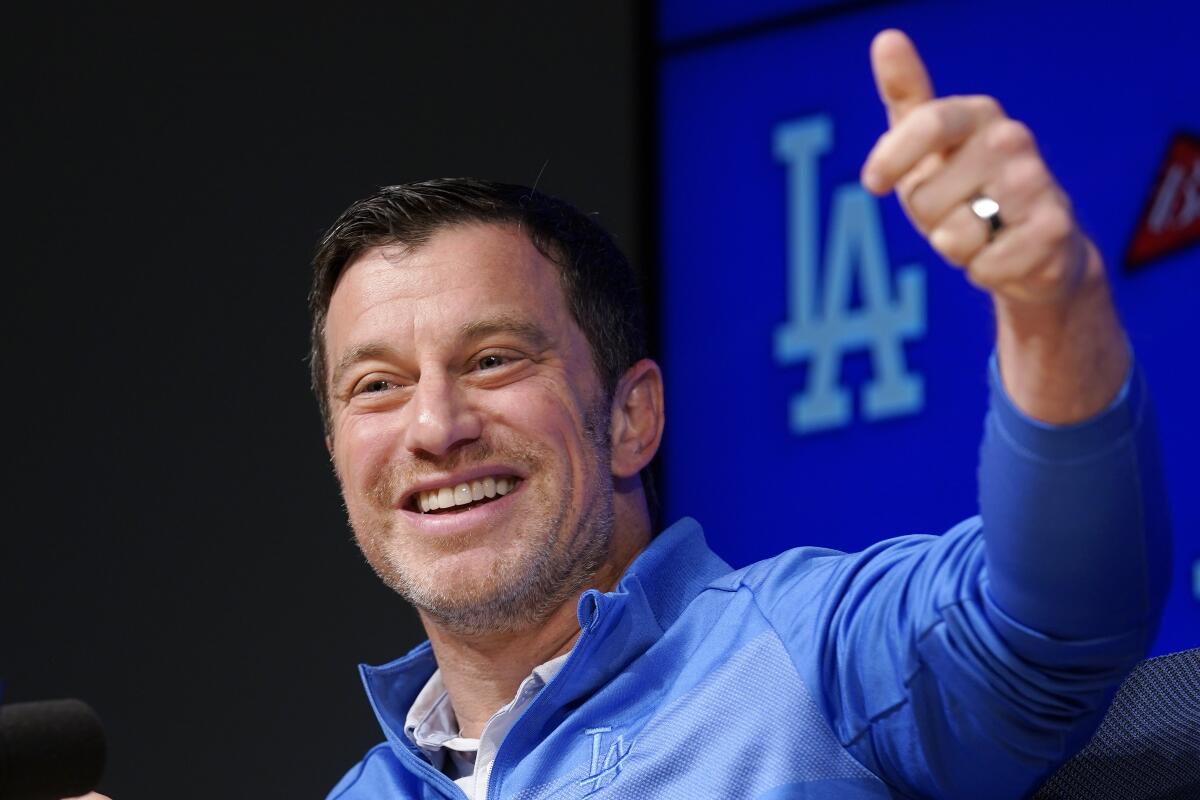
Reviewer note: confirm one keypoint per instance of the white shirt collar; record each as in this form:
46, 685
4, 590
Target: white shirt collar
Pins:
432, 726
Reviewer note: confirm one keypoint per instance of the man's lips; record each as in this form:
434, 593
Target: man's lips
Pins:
464, 488
471, 519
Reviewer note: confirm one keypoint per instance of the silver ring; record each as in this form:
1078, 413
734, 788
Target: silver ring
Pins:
987, 210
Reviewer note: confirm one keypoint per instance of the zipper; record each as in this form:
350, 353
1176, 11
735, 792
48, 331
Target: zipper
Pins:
586, 637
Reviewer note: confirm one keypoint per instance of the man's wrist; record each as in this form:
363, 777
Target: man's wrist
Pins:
1063, 362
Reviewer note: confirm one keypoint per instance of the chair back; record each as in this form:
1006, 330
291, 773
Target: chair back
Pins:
1148, 745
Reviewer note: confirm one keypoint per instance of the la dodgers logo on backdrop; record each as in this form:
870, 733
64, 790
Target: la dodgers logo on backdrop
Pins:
606, 764
823, 329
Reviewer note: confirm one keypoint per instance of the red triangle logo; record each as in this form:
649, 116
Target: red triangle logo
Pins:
1171, 220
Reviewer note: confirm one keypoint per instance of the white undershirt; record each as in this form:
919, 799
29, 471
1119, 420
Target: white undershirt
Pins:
432, 726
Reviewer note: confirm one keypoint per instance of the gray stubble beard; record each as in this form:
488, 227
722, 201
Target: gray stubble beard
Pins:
528, 586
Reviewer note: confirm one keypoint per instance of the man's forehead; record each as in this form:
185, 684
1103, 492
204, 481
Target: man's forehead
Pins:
500, 257
466, 280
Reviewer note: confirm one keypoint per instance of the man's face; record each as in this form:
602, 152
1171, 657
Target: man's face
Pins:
469, 429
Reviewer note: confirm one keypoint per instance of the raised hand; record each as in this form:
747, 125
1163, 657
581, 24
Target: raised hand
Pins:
940, 153
1062, 352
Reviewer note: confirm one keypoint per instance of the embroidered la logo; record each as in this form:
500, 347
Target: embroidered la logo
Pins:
606, 764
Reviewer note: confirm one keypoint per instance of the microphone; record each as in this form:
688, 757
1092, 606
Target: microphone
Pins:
49, 750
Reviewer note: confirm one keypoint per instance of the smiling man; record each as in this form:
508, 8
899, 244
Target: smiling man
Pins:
490, 410
470, 429
471, 432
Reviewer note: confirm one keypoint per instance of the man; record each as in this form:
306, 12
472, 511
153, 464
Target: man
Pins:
490, 413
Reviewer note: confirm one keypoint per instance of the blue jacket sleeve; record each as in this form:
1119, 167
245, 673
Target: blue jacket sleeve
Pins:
1075, 522
971, 664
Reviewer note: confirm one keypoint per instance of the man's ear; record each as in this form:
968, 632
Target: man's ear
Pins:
637, 418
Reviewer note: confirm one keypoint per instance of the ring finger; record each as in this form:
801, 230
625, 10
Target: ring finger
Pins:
961, 235
1001, 156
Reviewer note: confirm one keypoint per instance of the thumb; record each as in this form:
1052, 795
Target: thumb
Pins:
900, 75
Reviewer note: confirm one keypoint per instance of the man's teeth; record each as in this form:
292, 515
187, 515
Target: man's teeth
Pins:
464, 493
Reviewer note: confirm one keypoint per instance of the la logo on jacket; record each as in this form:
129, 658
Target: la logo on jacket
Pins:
606, 764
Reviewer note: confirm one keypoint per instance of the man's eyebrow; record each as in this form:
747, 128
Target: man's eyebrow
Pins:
529, 332
521, 328
360, 352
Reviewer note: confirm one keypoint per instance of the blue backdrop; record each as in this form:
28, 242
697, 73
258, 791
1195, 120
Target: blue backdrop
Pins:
772, 256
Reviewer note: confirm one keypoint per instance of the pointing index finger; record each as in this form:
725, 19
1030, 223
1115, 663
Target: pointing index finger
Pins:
900, 75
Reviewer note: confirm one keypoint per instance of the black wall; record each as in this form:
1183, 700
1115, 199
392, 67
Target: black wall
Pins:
174, 550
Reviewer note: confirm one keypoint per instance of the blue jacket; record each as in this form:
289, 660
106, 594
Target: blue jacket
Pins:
961, 665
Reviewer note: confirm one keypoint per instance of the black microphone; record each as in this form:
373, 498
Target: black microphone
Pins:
49, 750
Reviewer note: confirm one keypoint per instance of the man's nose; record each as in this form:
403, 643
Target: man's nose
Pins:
440, 417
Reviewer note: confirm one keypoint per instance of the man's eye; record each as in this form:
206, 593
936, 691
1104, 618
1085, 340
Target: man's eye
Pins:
377, 385
491, 361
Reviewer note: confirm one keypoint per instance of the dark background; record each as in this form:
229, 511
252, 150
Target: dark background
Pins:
174, 550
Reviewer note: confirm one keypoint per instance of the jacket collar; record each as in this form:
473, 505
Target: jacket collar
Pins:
671, 571
620, 625
393, 687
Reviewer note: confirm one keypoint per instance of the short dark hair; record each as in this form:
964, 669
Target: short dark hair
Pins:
598, 282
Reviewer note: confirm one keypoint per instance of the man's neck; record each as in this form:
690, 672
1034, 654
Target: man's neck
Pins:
483, 672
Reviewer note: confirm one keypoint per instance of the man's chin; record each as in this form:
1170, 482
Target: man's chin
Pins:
478, 614
486, 601
465, 591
